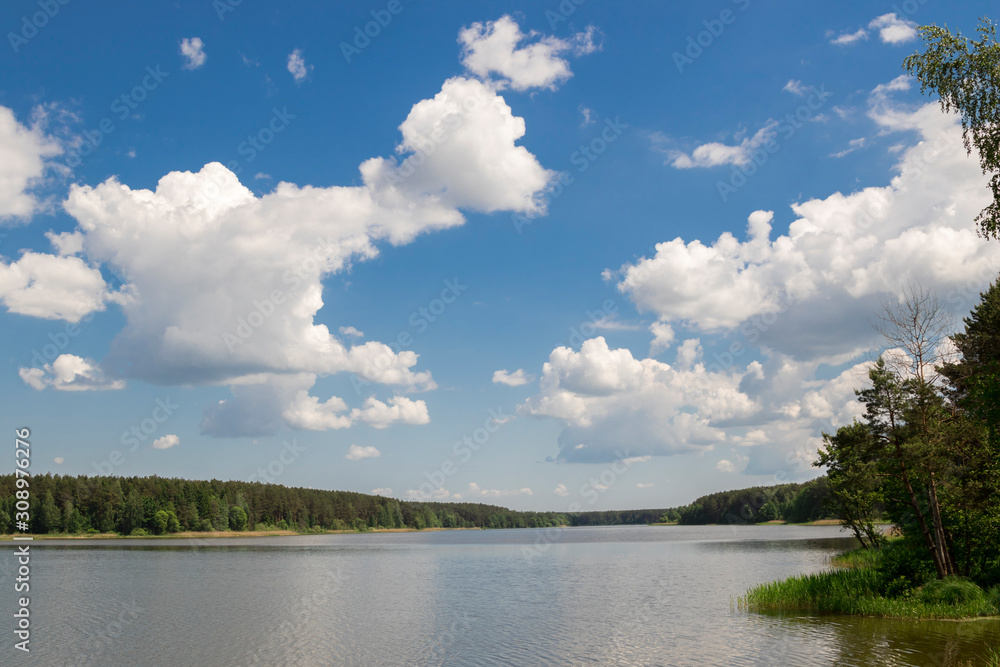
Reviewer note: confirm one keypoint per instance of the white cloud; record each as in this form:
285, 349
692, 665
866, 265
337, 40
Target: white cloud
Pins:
69, 373
166, 442
52, 287
59, 460
893, 29
852, 145
23, 153
663, 337
463, 155
725, 465
795, 87
306, 412
382, 491
266, 257
193, 50
437, 494
492, 47
850, 37
561, 490
357, 452
351, 331
715, 154
588, 116
477, 492
622, 407
646, 485
842, 253
515, 379
297, 66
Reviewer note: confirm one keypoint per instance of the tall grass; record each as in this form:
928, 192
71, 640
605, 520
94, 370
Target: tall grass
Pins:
857, 588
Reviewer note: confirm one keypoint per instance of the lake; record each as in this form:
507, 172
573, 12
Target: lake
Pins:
623, 595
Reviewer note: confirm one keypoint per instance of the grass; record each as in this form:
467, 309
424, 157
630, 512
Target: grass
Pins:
858, 587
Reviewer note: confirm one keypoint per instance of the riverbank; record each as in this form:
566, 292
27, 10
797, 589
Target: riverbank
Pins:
191, 534
873, 583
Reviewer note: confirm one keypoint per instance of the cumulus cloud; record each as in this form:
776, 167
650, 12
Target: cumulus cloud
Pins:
357, 452
265, 259
23, 154
59, 460
69, 373
52, 287
460, 153
893, 29
645, 485
382, 491
493, 47
307, 412
297, 66
714, 154
193, 50
613, 406
725, 465
351, 331
515, 379
618, 406
561, 490
842, 253
166, 442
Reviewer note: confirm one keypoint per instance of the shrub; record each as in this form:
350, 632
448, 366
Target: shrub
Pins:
901, 568
951, 590
993, 599
139, 532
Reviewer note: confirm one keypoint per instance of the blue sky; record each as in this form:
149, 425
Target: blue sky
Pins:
533, 254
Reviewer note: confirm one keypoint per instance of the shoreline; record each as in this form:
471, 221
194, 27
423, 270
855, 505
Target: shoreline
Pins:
190, 534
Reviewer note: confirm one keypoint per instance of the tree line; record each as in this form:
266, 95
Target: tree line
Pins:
158, 505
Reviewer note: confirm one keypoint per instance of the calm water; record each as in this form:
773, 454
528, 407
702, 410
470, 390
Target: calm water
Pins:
626, 595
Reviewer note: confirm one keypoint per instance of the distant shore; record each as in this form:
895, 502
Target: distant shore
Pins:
191, 534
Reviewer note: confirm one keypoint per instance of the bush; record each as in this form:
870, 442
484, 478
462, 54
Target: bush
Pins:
993, 599
902, 568
951, 590
139, 532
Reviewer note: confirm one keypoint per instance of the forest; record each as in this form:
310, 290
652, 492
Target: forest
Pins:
157, 505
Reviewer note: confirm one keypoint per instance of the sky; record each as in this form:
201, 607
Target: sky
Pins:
548, 255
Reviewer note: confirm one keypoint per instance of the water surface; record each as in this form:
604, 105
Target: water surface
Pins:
624, 595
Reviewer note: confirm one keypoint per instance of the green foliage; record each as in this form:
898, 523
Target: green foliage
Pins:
160, 522
860, 588
237, 519
139, 532
965, 73
952, 591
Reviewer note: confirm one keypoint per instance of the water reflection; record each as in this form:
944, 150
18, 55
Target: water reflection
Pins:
601, 596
